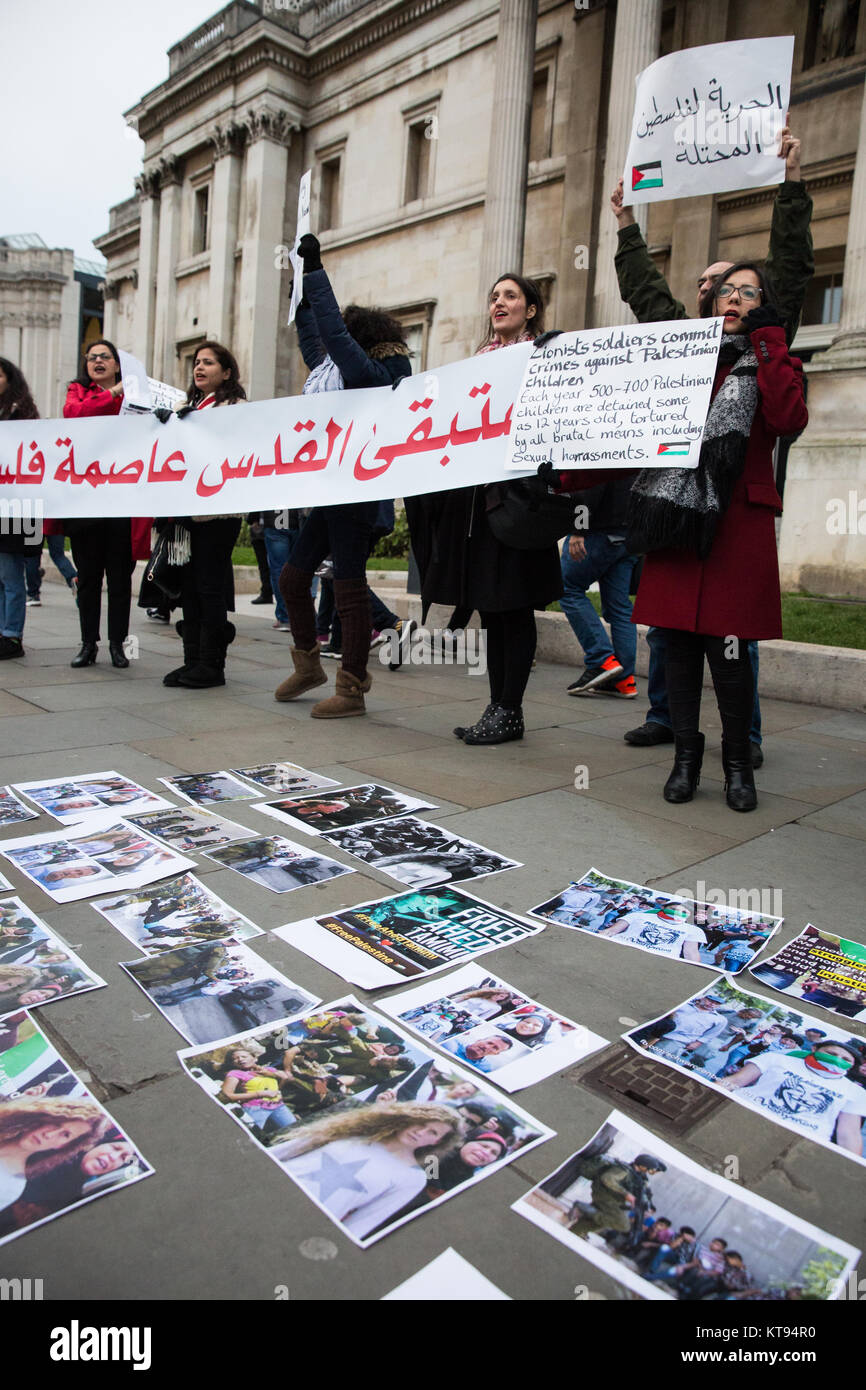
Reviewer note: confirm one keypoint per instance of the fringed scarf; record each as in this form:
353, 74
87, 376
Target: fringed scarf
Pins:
680, 508
176, 540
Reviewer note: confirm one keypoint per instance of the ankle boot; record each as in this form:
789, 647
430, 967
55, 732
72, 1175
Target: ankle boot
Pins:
740, 791
348, 700
190, 634
308, 674
118, 655
504, 725
686, 771
480, 725
86, 656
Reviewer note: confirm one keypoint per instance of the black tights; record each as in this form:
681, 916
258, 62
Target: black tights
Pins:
511, 641
733, 680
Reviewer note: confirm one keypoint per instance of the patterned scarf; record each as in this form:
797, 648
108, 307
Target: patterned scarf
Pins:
326, 377
680, 508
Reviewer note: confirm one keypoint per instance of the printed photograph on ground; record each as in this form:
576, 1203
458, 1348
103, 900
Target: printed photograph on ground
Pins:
286, 778
188, 831
800, 1071
12, 809
277, 864
75, 799
350, 806
370, 1124
206, 788
83, 860
667, 1228
215, 988
819, 968
419, 854
664, 924
178, 912
58, 1147
406, 937
36, 967
492, 1028
447, 1279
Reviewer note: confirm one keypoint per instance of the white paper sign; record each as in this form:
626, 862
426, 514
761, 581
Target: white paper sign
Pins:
707, 120
633, 397
142, 392
302, 229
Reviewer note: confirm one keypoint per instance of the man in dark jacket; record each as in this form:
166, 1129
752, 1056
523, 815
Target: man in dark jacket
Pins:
595, 552
789, 266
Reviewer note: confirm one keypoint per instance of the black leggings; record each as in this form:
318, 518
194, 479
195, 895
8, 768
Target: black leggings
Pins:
733, 680
511, 641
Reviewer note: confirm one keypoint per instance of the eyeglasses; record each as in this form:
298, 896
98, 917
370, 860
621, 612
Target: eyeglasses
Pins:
99, 357
746, 292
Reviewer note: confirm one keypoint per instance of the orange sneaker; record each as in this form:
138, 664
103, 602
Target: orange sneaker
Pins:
624, 690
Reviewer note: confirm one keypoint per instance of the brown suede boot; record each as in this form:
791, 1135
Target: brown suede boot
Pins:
308, 674
348, 700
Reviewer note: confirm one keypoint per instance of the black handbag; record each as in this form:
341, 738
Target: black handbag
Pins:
526, 515
167, 559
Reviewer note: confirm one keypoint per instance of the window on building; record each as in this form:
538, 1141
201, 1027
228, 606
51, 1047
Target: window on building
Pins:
329, 193
416, 320
834, 29
823, 302
419, 147
539, 127
201, 221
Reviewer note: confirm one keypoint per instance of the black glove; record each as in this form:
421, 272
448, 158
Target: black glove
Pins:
765, 316
548, 474
163, 413
184, 410
546, 337
310, 252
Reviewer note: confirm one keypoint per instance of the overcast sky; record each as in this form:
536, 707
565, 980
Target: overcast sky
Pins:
68, 71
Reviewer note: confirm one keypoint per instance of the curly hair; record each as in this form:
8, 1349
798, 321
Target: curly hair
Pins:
228, 391
18, 1118
379, 1123
16, 399
372, 327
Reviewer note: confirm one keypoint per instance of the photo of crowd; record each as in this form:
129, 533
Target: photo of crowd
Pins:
664, 924
371, 1125
799, 1071
58, 1146
670, 1229
188, 831
176, 912
288, 778
819, 968
419, 854
74, 799
207, 989
12, 809
277, 864
205, 788
36, 967
82, 861
350, 806
492, 1028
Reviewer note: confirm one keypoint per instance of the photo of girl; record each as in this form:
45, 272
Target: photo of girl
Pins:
35, 965
76, 799
81, 861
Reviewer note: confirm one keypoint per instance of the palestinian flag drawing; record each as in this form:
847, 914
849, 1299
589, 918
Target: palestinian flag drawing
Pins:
647, 175
675, 446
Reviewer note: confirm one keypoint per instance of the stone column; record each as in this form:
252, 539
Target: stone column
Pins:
258, 322
171, 184
848, 348
227, 141
505, 200
109, 316
147, 187
635, 46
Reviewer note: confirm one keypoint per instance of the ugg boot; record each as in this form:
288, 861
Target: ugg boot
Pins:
348, 700
308, 674
190, 634
208, 669
686, 771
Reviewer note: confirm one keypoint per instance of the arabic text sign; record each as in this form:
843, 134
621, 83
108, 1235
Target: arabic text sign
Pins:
706, 120
633, 397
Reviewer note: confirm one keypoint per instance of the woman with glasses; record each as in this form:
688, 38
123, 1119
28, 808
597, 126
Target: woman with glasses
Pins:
711, 574
103, 546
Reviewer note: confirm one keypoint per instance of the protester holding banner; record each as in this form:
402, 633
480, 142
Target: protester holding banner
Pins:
360, 347
462, 563
103, 546
16, 403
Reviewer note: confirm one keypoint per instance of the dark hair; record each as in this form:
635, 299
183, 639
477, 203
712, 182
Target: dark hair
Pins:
372, 327
87, 381
535, 1039
733, 1255
531, 292
16, 399
228, 391
705, 303
686, 1231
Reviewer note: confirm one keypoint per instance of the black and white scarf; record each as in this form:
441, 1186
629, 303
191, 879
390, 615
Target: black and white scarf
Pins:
680, 508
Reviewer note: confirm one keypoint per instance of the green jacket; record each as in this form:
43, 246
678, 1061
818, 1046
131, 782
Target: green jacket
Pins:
789, 266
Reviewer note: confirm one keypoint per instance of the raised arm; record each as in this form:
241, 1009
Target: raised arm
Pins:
790, 262
641, 284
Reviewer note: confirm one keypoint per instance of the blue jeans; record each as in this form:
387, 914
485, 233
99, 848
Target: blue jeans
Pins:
13, 594
56, 549
611, 565
279, 546
32, 577
658, 712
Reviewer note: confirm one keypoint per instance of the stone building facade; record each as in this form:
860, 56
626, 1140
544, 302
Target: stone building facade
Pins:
451, 140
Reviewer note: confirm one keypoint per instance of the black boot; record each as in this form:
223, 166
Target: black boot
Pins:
118, 655
740, 791
505, 724
190, 634
686, 771
480, 725
208, 668
86, 656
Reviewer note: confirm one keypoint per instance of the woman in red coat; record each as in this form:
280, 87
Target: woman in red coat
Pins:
711, 575
106, 546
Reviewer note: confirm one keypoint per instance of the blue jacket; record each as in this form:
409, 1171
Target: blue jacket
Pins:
321, 332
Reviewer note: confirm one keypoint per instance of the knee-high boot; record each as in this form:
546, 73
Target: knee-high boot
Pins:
735, 695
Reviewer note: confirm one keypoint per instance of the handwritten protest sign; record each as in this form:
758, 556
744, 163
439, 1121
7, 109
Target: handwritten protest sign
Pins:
707, 120
633, 397
143, 393
302, 228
